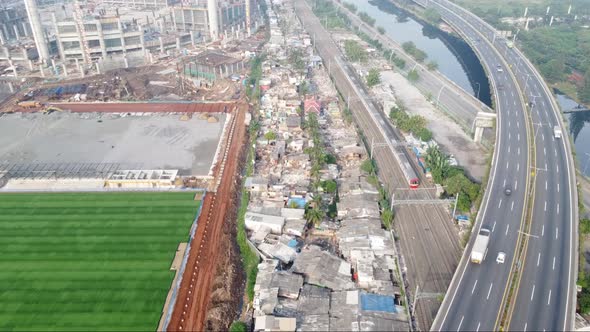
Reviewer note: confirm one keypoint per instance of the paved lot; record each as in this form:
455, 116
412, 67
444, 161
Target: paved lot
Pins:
144, 142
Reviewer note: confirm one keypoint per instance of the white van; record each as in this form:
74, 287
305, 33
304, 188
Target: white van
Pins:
557, 132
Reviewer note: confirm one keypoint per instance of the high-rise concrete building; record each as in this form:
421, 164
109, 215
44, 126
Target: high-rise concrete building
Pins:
37, 29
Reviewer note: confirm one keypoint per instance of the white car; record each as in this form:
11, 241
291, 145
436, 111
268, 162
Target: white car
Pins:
501, 257
499, 69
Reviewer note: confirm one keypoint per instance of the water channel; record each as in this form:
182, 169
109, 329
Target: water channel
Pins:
457, 61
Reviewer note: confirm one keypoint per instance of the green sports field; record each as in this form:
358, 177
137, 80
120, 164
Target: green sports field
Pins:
89, 261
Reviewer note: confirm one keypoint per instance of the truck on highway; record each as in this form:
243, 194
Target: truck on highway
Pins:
480, 247
557, 132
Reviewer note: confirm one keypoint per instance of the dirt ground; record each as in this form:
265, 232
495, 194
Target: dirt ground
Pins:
447, 133
205, 298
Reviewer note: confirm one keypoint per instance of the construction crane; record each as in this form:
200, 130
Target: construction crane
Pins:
79, 20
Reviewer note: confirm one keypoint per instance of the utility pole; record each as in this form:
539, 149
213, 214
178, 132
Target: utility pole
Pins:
455, 208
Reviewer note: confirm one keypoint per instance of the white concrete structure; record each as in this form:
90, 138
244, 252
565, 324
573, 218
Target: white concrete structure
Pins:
257, 221
37, 29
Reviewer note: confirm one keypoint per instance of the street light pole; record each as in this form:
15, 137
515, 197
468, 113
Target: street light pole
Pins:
438, 97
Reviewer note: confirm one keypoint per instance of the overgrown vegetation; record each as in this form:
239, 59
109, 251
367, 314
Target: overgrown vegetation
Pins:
315, 213
297, 58
431, 15
414, 124
354, 51
393, 58
349, 6
453, 178
366, 18
410, 48
373, 78
559, 50
413, 76
238, 326
330, 16
432, 65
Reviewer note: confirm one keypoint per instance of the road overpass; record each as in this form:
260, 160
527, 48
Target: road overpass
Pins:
545, 293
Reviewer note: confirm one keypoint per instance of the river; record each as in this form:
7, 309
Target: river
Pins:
455, 59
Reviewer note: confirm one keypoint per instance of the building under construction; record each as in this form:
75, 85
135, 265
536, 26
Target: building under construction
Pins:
90, 30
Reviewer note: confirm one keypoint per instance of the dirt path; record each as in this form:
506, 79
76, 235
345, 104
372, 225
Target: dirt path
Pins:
191, 305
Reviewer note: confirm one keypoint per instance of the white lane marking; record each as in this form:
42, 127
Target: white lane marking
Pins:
519, 136
525, 324
517, 167
515, 103
545, 206
543, 102
504, 185
489, 291
478, 324
460, 323
494, 227
557, 208
558, 187
475, 284
549, 298
543, 136
545, 185
517, 124
509, 136
507, 228
556, 152
553, 262
557, 168
516, 185
512, 207
500, 203
533, 292
519, 151
538, 259
543, 230
508, 148
556, 232
508, 124
507, 163
546, 166
544, 151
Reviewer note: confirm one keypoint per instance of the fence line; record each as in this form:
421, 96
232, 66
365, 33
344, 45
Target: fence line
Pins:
180, 271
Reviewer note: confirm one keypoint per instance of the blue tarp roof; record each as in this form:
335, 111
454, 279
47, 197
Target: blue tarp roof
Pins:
300, 201
374, 302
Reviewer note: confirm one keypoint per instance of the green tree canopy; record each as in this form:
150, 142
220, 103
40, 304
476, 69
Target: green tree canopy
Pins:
373, 78
413, 76
354, 51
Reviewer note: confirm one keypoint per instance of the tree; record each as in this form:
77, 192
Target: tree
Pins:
585, 226
432, 65
424, 134
270, 136
366, 18
349, 6
584, 91
554, 69
238, 326
330, 186
296, 58
315, 216
373, 78
381, 30
387, 218
413, 76
456, 184
368, 166
354, 51
330, 159
438, 163
431, 15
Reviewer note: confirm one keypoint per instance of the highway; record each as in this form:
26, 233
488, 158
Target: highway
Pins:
546, 294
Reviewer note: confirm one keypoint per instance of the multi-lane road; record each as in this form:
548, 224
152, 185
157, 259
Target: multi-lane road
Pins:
545, 298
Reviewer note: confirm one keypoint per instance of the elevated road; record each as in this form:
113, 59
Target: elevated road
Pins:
545, 297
